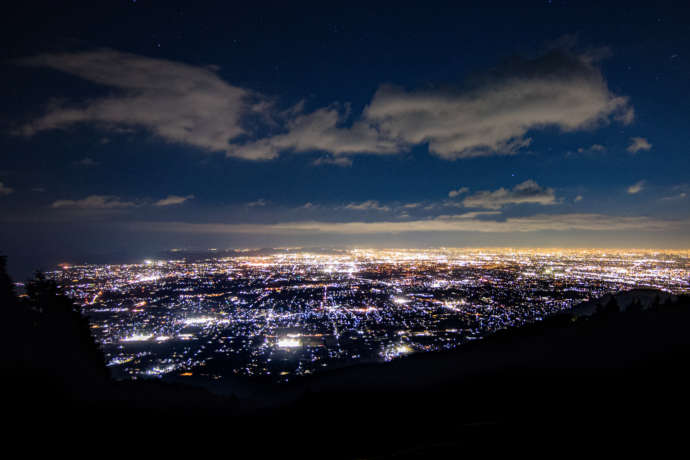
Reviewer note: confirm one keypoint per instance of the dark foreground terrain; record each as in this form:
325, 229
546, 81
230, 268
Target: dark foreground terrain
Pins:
606, 373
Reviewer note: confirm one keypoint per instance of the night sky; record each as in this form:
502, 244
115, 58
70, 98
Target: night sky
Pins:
128, 128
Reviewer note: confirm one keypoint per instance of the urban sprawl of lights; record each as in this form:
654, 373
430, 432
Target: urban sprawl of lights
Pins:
290, 314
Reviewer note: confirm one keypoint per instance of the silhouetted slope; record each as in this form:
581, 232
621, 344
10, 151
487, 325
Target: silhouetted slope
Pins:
611, 366
604, 340
612, 373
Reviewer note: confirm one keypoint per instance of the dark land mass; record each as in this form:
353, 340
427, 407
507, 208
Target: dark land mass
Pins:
617, 369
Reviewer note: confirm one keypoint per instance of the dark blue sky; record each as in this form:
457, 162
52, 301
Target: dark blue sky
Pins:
134, 127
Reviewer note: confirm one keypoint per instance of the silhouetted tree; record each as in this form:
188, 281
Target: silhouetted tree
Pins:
48, 339
635, 306
14, 322
7, 293
655, 304
609, 307
57, 310
44, 296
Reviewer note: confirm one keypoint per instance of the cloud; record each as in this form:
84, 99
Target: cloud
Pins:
86, 161
114, 202
175, 101
558, 89
369, 205
460, 191
471, 215
637, 144
637, 187
257, 203
559, 222
5, 190
322, 130
578, 198
491, 115
94, 202
679, 192
592, 148
680, 196
526, 192
173, 200
337, 161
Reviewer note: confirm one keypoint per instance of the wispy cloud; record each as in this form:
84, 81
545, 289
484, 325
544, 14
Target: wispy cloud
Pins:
369, 205
94, 202
321, 131
460, 191
526, 192
175, 101
559, 89
257, 203
637, 187
171, 200
678, 192
679, 196
193, 105
333, 160
638, 143
592, 148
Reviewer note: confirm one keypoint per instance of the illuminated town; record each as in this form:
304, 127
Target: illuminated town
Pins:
277, 317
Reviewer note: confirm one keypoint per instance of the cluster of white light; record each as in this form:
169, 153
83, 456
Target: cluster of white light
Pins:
403, 349
145, 279
289, 342
157, 370
204, 321
201, 320
119, 360
137, 338
396, 351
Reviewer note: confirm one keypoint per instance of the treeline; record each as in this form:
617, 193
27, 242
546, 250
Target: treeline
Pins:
48, 345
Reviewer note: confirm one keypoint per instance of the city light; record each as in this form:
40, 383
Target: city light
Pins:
298, 313
289, 342
137, 338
